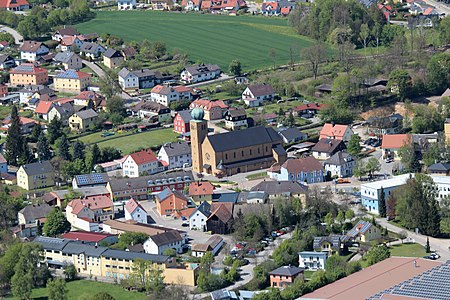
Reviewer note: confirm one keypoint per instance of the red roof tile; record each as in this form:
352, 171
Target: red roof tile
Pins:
94, 237
395, 141
143, 157
207, 104
201, 188
336, 131
309, 106
94, 203
131, 205
44, 107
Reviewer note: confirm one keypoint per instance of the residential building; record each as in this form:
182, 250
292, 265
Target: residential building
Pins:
128, 53
90, 238
95, 209
233, 152
283, 189
119, 227
91, 50
197, 220
442, 184
175, 155
3, 90
26, 74
72, 81
201, 191
26, 124
31, 51
304, 170
199, 73
341, 164
29, 92
331, 244
56, 198
336, 131
236, 118
230, 6
157, 244
33, 214
164, 94
308, 110
6, 62
284, 276
90, 180
64, 31
126, 4
391, 143
152, 111
139, 79
169, 202
135, 211
311, 260
292, 135
191, 5
220, 221
36, 175
140, 164
213, 245
62, 112
43, 108
379, 126
82, 120
447, 130
69, 60
326, 148
255, 197
364, 231
439, 169
14, 5
112, 58
71, 43
89, 98
213, 110
255, 95
181, 122
3, 164
225, 197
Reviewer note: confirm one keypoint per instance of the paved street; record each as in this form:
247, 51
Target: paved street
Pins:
18, 38
440, 7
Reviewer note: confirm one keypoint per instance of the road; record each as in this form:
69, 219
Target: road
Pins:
18, 38
440, 7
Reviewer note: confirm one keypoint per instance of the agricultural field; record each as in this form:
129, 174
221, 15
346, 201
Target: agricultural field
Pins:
207, 38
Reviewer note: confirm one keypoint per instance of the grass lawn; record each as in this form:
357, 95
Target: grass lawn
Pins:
130, 143
408, 250
204, 37
308, 274
256, 176
79, 288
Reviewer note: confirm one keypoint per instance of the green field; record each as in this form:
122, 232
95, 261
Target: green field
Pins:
408, 250
130, 143
208, 38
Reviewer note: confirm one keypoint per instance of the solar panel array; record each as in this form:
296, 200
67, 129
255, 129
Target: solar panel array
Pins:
432, 284
94, 178
69, 74
24, 68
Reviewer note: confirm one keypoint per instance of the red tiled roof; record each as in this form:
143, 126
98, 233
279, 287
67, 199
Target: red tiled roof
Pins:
223, 211
182, 89
285, 10
395, 141
4, 43
143, 157
44, 107
207, 104
131, 205
307, 164
96, 202
86, 236
310, 106
201, 188
336, 131
28, 46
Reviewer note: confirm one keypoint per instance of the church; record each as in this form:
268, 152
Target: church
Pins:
233, 152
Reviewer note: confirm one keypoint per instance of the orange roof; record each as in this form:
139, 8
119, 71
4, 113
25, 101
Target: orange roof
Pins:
132, 205
44, 107
395, 141
68, 40
11, 3
182, 89
157, 89
187, 212
200, 188
143, 157
63, 100
285, 10
207, 104
333, 130
94, 203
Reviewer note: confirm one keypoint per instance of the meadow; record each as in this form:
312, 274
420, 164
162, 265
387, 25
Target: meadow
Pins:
204, 37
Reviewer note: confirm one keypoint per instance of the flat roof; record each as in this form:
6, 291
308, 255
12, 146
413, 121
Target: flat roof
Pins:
373, 279
386, 183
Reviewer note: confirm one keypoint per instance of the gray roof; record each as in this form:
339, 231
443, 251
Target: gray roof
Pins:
134, 255
280, 187
38, 168
287, 271
64, 57
165, 238
147, 73
151, 106
31, 88
394, 120
339, 158
328, 145
78, 247
185, 115
204, 208
231, 197
86, 114
65, 110
256, 195
112, 53
439, 167
261, 89
5, 58
244, 138
202, 68
333, 239
50, 243
124, 72
293, 133
90, 47
33, 212
177, 148
85, 191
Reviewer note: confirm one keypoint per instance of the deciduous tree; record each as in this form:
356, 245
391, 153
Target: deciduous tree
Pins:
56, 223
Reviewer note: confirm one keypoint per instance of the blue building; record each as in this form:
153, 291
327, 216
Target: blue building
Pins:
303, 170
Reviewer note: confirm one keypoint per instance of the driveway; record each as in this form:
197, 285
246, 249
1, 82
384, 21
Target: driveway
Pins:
93, 66
17, 36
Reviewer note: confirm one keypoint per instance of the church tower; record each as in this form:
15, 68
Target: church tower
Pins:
199, 131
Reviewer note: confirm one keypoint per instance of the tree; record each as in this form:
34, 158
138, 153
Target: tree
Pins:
115, 105
382, 205
70, 272
273, 56
400, 83
372, 166
438, 69
109, 85
434, 218
56, 223
14, 140
349, 214
427, 246
54, 130
340, 217
77, 150
43, 149
409, 158
57, 289
35, 133
170, 252
314, 55
444, 30
354, 147
291, 120
402, 235
329, 219
359, 170
22, 284
364, 36
235, 67
147, 276
63, 148
159, 49
377, 254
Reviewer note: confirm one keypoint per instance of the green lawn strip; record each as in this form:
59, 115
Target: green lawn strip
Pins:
308, 274
408, 250
256, 176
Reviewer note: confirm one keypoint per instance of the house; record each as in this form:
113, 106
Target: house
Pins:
43, 109
391, 143
62, 112
284, 276
128, 53
26, 74
42, 94
326, 148
201, 191
126, 4
307, 110
90, 180
223, 294
168, 202
236, 118
213, 245
71, 43
270, 8
83, 120
336, 131
255, 197
197, 220
364, 231
89, 99
311, 260
140, 163
157, 244
165, 95
282, 189
304, 170
139, 79
438, 169
62, 32
199, 73
181, 122
56, 198
72, 81
213, 110
90, 238
112, 58
134, 211
175, 155
447, 130
191, 5
220, 221
381, 125
292, 135
4, 45
33, 214
26, 124
6, 62
153, 111
3, 90
94, 209
331, 244
323, 89
31, 50
3, 164
91, 50
14, 5
255, 95
341, 164
9, 99
225, 197
69, 60
29, 91
36, 175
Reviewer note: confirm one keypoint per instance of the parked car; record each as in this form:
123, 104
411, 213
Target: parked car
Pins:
185, 224
389, 160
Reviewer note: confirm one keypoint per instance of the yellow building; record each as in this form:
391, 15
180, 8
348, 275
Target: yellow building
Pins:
112, 58
72, 81
447, 130
364, 231
36, 176
82, 120
26, 74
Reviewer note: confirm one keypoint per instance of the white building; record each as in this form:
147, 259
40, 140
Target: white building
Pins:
312, 260
341, 164
134, 211
157, 244
165, 95
200, 73
175, 155
142, 162
197, 220
31, 50
126, 4
255, 95
443, 186
213, 245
